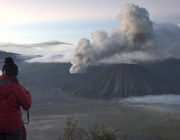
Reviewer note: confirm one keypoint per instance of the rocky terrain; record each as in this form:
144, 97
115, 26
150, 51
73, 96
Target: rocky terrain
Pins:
124, 80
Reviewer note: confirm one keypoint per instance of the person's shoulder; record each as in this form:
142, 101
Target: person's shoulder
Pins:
2, 76
16, 86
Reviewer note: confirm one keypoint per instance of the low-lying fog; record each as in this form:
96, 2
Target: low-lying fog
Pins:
162, 104
145, 118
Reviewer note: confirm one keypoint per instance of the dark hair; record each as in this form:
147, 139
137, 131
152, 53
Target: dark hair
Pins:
9, 68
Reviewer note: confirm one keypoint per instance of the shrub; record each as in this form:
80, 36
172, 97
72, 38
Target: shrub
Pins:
98, 132
71, 131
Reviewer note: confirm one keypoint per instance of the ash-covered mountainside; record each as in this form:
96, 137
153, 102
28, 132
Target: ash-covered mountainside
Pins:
124, 80
56, 74
46, 80
168, 69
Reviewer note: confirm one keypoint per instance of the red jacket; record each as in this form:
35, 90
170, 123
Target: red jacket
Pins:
12, 96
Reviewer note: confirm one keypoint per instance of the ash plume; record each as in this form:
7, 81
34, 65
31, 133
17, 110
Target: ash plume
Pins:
137, 34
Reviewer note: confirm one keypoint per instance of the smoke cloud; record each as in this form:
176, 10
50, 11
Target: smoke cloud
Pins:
137, 34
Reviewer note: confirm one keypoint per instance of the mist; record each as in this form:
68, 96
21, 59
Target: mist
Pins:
161, 104
136, 34
60, 58
48, 120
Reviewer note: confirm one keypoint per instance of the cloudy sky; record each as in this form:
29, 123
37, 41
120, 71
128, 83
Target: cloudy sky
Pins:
55, 26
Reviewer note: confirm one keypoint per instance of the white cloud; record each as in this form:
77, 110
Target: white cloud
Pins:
179, 25
63, 58
42, 48
38, 48
58, 10
41, 44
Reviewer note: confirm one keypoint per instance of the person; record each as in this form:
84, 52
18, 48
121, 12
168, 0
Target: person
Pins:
12, 97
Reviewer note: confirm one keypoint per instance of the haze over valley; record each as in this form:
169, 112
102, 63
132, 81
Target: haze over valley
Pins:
149, 116
127, 76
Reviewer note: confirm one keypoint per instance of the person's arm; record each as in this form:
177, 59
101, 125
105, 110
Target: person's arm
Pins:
23, 97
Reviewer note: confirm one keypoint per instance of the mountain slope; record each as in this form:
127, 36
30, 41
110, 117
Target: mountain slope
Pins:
46, 80
124, 80
18, 58
4, 54
57, 74
168, 69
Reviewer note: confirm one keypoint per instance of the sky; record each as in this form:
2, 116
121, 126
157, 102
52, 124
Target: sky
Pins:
59, 24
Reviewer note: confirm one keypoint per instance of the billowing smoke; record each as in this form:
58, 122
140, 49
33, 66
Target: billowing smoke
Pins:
137, 34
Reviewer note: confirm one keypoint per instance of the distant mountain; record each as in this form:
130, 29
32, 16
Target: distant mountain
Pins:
124, 80
168, 69
56, 74
46, 80
4, 54
18, 58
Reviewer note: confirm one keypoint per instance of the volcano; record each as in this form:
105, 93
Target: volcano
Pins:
124, 80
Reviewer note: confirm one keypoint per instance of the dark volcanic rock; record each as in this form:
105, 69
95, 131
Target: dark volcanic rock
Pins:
124, 80
55, 75
168, 69
46, 80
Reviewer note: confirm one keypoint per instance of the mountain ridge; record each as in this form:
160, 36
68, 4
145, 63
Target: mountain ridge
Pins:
124, 80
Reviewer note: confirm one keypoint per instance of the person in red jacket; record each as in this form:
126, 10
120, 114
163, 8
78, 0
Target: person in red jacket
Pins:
12, 97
